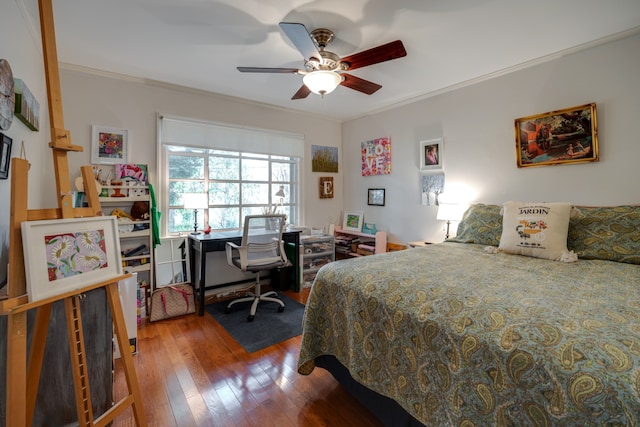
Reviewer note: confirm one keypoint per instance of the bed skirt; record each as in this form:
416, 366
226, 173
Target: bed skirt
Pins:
385, 409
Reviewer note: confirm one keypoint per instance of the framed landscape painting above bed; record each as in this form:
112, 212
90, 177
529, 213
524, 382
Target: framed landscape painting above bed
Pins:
564, 136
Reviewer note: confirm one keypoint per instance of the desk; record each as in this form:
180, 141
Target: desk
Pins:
200, 244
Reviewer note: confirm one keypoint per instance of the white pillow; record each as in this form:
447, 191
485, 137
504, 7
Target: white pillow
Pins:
536, 230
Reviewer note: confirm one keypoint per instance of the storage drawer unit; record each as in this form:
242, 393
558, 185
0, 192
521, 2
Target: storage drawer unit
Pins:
315, 251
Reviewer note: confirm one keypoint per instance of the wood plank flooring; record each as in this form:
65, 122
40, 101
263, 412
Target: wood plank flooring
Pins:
193, 373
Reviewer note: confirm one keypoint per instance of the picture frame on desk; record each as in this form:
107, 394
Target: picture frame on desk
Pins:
353, 221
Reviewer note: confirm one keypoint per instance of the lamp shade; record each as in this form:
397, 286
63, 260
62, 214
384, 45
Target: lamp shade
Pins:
322, 82
194, 200
450, 211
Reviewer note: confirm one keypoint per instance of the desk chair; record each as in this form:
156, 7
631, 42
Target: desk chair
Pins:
262, 248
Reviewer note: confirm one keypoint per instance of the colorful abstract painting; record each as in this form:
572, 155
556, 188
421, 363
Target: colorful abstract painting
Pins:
66, 255
70, 254
376, 157
109, 145
128, 171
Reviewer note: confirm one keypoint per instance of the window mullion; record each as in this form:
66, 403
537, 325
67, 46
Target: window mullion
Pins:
205, 215
239, 193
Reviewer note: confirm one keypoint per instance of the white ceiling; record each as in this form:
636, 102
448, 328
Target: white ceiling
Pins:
199, 43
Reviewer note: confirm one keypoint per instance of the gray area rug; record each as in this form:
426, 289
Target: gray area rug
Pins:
268, 328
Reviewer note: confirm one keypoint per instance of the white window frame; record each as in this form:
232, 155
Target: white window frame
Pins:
284, 147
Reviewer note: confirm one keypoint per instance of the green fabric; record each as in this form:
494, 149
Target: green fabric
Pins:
155, 218
608, 233
481, 224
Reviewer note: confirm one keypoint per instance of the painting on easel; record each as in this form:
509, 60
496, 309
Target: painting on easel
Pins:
67, 254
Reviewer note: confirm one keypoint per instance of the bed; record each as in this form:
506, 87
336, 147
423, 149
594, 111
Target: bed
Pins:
467, 333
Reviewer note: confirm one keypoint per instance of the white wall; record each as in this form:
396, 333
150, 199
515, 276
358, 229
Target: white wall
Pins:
21, 47
477, 123
90, 99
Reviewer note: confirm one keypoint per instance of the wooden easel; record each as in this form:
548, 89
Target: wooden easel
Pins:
22, 379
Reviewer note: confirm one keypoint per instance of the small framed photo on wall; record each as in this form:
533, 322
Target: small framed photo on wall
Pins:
5, 155
431, 154
375, 197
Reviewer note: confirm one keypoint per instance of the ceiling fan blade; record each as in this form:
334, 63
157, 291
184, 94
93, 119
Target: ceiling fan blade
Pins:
361, 85
302, 93
301, 39
382, 53
268, 70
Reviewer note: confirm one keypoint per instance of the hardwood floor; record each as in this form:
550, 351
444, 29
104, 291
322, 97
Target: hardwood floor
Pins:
192, 373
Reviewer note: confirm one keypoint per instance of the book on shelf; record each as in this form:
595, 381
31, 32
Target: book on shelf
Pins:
364, 249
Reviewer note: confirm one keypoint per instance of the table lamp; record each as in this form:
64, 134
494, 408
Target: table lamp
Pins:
195, 201
280, 195
450, 212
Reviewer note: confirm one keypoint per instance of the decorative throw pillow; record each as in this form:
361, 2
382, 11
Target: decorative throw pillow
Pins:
610, 233
480, 224
536, 230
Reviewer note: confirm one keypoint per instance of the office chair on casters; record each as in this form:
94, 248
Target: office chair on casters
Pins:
262, 248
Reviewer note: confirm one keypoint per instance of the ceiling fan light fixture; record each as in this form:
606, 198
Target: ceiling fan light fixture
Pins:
322, 82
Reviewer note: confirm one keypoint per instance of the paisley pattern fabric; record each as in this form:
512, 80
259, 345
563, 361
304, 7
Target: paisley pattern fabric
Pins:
461, 337
611, 233
480, 224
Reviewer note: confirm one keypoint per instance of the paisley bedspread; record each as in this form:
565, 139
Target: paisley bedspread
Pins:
461, 337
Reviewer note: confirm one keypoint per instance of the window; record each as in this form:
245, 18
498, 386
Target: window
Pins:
237, 182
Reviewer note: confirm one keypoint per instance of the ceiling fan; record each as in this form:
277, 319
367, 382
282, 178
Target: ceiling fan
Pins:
323, 70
